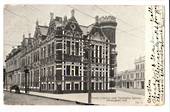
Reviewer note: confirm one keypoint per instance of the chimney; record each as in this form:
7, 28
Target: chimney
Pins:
65, 19
51, 15
29, 35
37, 22
23, 36
97, 19
72, 13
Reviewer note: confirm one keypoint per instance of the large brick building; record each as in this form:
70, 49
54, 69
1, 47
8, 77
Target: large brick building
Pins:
57, 58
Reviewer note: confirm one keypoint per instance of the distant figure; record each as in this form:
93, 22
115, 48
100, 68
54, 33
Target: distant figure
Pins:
17, 90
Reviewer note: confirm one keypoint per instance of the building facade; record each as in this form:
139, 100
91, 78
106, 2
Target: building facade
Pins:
140, 72
132, 79
57, 56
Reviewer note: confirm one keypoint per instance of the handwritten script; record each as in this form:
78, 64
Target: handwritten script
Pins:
155, 85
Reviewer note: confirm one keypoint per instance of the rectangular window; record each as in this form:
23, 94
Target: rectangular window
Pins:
49, 48
28, 60
96, 76
52, 73
67, 86
49, 87
48, 71
100, 75
53, 86
44, 72
100, 86
86, 54
96, 86
92, 55
72, 49
92, 75
59, 46
68, 70
31, 79
38, 56
96, 54
77, 48
52, 48
92, 85
44, 52
68, 47
137, 76
76, 86
72, 73
100, 54
41, 52
76, 71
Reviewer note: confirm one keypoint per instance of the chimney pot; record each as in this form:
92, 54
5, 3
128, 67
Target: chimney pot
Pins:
72, 12
37, 22
52, 15
97, 19
23, 36
29, 35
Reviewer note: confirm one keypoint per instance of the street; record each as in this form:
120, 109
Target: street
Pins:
37, 98
118, 98
23, 99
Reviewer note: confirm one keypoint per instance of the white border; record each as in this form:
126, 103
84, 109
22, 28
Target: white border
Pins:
164, 108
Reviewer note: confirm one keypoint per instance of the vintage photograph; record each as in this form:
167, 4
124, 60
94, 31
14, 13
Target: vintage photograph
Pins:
74, 55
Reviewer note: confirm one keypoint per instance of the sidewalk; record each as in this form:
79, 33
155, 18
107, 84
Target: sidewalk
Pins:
118, 98
133, 91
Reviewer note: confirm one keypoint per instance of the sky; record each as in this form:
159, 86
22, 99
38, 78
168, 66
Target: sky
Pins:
130, 32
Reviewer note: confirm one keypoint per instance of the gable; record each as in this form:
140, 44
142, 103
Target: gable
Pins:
73, 26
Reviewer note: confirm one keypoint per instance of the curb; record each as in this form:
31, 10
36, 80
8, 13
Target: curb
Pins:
76, 102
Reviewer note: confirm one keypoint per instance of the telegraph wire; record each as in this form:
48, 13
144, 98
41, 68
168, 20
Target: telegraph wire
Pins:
142, 26
116, 17
120, 20
81, 12
133, 35
16, 14
34, 8
112, 14
99, 27
21, 16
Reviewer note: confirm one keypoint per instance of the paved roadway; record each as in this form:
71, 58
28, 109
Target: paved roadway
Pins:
23, 99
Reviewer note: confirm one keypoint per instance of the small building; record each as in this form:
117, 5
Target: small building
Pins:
132, 78
140, 73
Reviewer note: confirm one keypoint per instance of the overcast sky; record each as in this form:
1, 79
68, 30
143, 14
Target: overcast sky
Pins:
130, 33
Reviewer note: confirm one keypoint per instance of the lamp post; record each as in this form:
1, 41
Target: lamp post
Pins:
26, 72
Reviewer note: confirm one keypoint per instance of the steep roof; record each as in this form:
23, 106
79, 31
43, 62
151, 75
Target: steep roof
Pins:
43, 30
86, 29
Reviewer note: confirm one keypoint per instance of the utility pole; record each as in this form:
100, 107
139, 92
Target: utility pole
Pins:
89, 76
87, 42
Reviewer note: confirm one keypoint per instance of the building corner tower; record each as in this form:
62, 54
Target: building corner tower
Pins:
108, 26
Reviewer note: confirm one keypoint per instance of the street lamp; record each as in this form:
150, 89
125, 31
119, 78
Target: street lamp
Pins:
26, 72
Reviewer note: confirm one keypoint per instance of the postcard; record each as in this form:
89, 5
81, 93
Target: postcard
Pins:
100, 55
